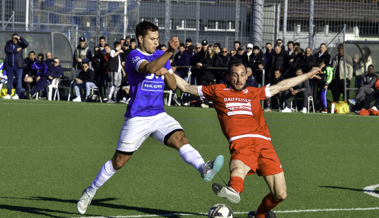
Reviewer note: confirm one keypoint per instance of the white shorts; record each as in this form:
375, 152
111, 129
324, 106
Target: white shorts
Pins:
135, 130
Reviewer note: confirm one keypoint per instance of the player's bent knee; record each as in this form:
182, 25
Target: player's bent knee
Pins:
280, 196
120, 158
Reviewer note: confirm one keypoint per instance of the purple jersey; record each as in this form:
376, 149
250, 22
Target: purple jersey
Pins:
146, 90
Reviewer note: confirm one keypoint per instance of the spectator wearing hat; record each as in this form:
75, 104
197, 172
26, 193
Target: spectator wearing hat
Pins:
241, 55
14, 64
249, 51
82, 54
182, 58
188, 42
132, 46
217, 47
257, 63
222, 60
199, 58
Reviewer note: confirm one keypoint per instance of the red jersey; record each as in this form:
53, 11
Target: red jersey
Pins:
240, 112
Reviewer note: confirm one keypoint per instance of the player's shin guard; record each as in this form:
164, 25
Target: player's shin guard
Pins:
236, 183
104, 174
192, 156
268, 203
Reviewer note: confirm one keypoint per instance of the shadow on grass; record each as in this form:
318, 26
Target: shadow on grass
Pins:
351, 189
95, 202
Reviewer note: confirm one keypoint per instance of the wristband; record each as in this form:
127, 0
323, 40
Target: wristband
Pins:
170, 71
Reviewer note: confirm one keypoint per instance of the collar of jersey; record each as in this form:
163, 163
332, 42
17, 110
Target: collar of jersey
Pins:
147, 54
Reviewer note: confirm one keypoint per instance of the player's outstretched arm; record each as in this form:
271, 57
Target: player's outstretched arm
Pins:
170, 81
155, 65
289, 83
185, 87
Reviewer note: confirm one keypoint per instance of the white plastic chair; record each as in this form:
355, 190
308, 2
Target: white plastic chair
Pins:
95, 89
54, 85
310, 99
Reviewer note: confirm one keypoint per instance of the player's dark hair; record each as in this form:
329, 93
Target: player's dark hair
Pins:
143, 27
235, 64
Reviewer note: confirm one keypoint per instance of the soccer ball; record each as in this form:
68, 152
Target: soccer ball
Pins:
220, 211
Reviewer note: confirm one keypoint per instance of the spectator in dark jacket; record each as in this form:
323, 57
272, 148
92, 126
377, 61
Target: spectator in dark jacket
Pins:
208, 61
268, 53
54, 71
257, 63
98, 66
277, 62
250, 82
323, 55
302, 90
37, 70
241, 55
222, 60
182, 58
14, 63
82, 54
85, 79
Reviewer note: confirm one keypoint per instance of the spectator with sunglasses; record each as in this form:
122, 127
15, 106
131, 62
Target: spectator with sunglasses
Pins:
222, 60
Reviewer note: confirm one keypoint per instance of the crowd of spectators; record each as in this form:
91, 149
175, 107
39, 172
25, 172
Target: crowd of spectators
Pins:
103, 67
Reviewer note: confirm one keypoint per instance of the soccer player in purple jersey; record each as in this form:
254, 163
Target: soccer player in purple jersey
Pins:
148, 70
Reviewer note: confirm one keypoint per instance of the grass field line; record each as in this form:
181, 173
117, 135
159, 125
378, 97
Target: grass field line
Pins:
276, 211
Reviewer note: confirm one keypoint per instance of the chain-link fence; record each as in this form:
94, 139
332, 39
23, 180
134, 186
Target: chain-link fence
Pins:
223, 21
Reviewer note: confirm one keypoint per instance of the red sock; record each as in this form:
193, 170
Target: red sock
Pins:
268, 203
236, 183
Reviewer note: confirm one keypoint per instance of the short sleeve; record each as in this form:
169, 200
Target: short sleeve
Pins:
206, 92
135, 59
263, 93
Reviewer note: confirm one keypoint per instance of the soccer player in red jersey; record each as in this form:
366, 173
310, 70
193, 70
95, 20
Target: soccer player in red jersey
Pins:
242, 121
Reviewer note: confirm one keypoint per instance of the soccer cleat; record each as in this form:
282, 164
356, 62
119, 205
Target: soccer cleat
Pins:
268, 108
324, 111
110, 101
352, 101
127, 101
211, 168
77, 99
15, 97
204, 105
7, 97
226, 192
84, 202
269, 214
304, 111
374, 108
286, 110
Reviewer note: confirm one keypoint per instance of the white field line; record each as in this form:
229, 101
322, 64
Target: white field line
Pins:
279, 211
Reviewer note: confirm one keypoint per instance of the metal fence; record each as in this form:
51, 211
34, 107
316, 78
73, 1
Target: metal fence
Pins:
222, 21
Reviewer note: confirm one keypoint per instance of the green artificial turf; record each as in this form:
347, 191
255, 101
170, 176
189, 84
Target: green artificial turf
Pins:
51, 151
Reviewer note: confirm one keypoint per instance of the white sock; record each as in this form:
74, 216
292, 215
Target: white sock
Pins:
192, 156
104, 174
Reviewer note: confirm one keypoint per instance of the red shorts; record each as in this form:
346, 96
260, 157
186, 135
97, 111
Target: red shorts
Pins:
258, 154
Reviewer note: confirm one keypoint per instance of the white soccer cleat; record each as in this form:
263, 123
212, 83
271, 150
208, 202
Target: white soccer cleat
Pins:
286, 110
7, 97
226, 192
15, 97
304, 111
84, 202
77, 99
211, 168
